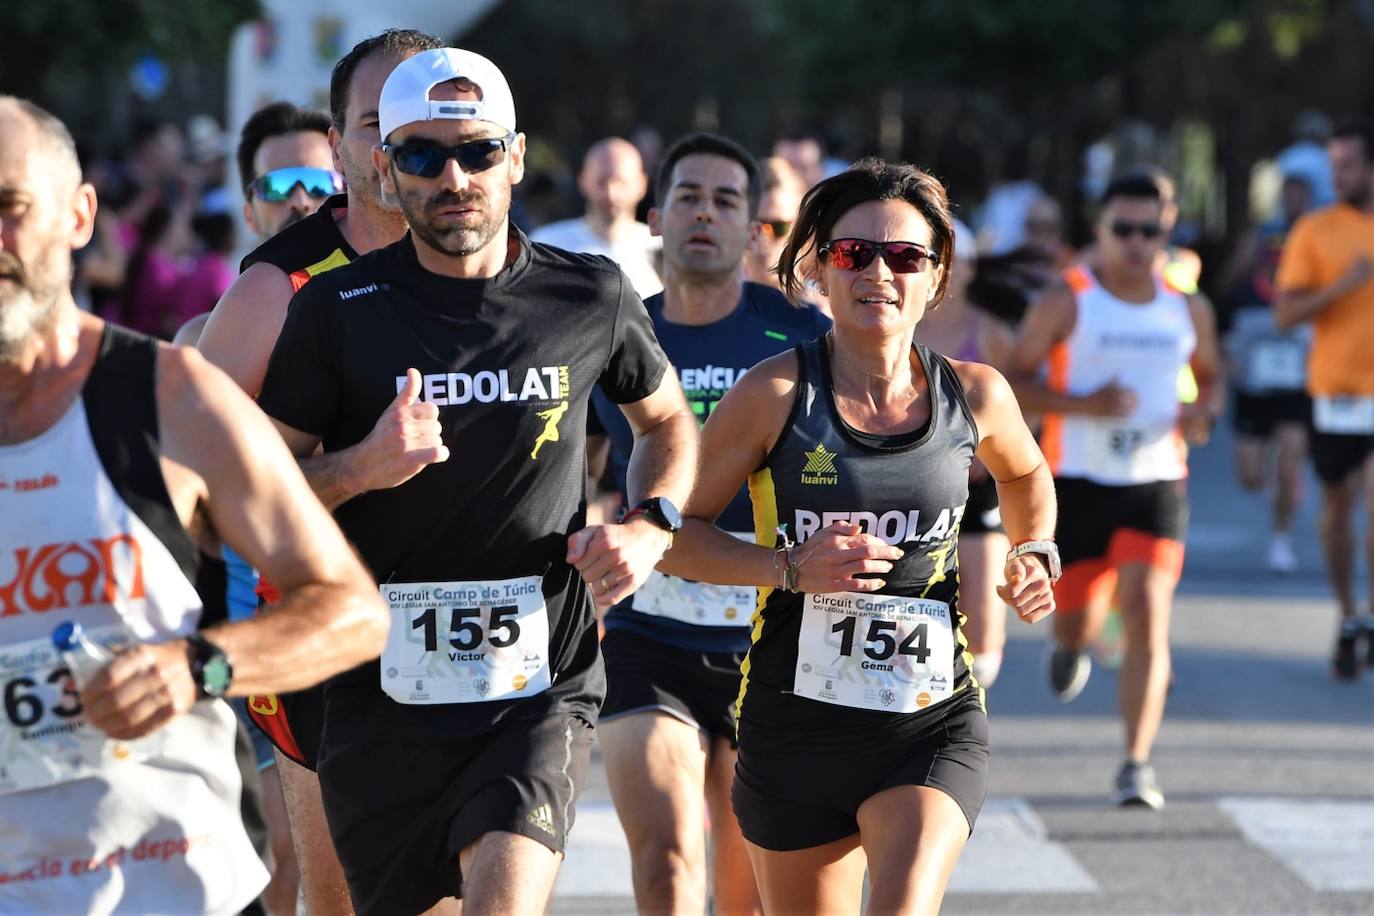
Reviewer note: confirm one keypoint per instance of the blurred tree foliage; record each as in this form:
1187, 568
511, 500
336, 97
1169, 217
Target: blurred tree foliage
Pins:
48, 47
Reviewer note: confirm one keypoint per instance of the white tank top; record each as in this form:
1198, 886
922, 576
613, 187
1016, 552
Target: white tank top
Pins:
86, 826
1143, 347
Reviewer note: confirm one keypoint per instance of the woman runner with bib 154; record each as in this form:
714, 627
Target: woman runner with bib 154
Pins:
862, 733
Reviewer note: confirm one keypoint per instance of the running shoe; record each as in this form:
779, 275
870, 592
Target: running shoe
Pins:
1369, 640
1281, 558
1067, 670
1136, 786
1346, 663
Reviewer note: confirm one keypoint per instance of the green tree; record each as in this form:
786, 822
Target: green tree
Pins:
48, 46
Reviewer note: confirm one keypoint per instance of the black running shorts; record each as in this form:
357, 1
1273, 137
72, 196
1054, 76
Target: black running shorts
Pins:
401, 812
1092, 514
1335, 456
1257, 416
790, 795
645, 675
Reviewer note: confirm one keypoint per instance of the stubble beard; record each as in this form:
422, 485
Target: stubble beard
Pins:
455, 241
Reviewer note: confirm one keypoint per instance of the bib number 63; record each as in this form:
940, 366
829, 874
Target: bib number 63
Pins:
24, 697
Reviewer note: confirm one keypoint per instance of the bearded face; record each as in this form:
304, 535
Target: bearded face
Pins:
28, 299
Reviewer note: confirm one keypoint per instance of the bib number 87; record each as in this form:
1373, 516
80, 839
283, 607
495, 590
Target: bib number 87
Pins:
881, 643
465, 625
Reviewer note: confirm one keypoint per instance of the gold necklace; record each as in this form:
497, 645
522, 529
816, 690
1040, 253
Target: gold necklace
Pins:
835, 352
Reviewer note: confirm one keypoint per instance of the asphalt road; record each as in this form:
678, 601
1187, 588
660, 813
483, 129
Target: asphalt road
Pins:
1267, 763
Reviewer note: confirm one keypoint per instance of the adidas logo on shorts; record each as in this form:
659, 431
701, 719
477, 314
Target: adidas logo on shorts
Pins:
542, 817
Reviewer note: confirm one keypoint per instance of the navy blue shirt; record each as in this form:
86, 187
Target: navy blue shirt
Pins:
709, 360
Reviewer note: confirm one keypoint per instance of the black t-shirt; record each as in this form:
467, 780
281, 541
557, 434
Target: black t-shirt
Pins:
511, 361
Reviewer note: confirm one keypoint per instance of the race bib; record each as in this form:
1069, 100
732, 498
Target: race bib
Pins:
1276, 364
466, 642
1344, 415
698, 603
44, 737
1117, 451
878, 652
1126, 453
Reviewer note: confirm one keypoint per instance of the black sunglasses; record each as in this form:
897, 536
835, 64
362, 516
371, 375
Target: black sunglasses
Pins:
857, 254
1124, 230
425, 160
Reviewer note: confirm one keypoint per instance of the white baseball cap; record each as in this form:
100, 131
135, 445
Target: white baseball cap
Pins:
405, 95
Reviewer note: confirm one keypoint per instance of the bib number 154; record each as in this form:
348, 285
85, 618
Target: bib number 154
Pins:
880, 643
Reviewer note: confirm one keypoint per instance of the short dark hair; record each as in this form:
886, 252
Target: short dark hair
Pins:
61, 147
868, 179
1356, 129
273, 121
1137, 185
712, 145
392, 41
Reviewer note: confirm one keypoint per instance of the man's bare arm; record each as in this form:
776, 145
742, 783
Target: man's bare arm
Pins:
406, 439
614, 560
245, 325
330, 617
1049, 321
1294, 306
220, 456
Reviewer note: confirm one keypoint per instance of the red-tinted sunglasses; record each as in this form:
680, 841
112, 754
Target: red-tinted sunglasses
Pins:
857, 254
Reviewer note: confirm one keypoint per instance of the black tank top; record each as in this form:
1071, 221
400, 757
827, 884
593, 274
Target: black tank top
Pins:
908, 489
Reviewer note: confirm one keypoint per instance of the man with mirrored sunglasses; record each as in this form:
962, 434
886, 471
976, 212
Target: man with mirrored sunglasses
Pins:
447, 378
286, 166
1115, 338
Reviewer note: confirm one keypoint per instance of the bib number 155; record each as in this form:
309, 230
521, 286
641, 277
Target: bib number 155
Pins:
465, 630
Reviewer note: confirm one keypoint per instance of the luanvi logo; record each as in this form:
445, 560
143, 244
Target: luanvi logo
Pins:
820, 466
357, 291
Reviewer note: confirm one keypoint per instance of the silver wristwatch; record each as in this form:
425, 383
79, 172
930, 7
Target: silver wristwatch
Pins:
1047, 551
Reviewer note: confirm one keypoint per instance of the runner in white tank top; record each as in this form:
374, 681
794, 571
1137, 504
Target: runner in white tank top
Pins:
122, 463
1117, 341
1142, 347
